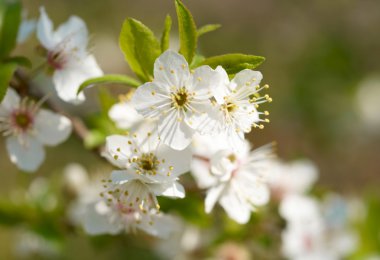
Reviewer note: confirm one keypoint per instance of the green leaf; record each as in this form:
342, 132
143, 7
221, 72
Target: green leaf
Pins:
234, 63
108, 79
6, 73
19, 60
140, 47
208, 28
187, 32
10, 18
166, 34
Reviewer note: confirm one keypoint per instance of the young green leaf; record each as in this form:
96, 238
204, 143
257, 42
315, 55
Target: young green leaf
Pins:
10, 18
140, 48
233, 63
208, 28
19, 60
166, 34
6, 73
188, 36
108, 79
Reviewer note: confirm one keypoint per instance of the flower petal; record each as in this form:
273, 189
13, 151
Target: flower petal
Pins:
117, 150
171, 70
247, 78
27, 157
150, 100
213, 195
120, 177
179, 160
171, 189
96, 220
173, 132
11, 100
203, 80
73, 33
124, 115
51, 128
68, 79
236, 207
45, 30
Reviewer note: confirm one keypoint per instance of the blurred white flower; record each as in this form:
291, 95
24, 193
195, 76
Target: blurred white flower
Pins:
238, 103
67, 55
237, 181
309, 235
28, 128
30, 245
26, 28
293, 177
124, 114
180, 100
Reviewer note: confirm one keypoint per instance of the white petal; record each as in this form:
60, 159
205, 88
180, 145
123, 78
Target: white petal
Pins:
25, 30
236, 207
45, 30
73, 33
124, 115
221, 90
256, 192
51, 128
117, 150
27, 157
162, 226
173, 189
203, 80
200, 169
171, 70
150, 100
174, 133
97, 222
120, 177
179, 160
68, 79
247, 78
213, 196
11, 100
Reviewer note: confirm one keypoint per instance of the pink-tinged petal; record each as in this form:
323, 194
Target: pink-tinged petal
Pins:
29, 156
235, 205
68, 79
11, 100
150, 100
45, 30
213, 195
247, 78
174, 132
51, 128
171, 70
118, 150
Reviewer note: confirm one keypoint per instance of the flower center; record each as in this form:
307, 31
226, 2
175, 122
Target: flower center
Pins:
181, 98
148, 162
56, 60
230, 107
22, 120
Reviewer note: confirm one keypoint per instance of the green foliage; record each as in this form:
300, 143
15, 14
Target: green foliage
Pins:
208, 28
233, 63
19, 60
166, 34
188, 35
6, 73
109, 79
10, 18
140, 48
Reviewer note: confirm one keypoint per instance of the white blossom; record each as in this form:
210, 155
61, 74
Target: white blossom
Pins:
26, 28
238, 101
180, 100
27, 128
237, 181
67, 56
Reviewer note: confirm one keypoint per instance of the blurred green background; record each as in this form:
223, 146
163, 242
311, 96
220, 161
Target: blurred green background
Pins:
322, 63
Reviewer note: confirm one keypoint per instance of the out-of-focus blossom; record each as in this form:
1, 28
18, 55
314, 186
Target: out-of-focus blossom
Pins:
238, 102
124, 114
179, 99
232, 250
237, 181
368, 102
28, 128
29, 245
309, 234
67, 55
293, 177
26, 28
